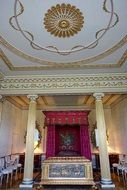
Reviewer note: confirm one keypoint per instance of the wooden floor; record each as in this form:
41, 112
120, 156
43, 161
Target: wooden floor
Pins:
120, 184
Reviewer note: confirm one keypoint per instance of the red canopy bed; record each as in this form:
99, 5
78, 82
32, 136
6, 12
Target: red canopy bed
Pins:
67, 133
68, 152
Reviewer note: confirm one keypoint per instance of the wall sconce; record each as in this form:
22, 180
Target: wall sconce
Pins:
95, 136
37, 136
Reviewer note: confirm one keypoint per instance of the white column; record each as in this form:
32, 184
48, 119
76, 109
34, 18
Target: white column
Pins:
29, 153
103, 150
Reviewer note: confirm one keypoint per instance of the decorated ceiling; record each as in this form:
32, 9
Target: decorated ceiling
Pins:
70, 36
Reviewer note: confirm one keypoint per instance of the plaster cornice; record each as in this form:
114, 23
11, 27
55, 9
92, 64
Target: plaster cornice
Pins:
48, 64
64, 84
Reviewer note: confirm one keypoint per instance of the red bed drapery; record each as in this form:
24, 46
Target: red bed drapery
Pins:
70, 121
66, 117
67, 138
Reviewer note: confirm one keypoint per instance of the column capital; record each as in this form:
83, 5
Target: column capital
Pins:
98, 96
32, 97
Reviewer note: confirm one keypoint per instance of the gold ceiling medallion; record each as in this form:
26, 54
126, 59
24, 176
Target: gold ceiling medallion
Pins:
63, 20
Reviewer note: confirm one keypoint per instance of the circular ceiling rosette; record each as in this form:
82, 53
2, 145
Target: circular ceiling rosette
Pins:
63, 20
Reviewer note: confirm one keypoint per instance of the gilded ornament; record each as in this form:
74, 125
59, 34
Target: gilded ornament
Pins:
63, 20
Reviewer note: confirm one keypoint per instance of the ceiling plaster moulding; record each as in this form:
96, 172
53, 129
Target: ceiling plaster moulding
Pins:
86, 61
9, 71
16, 64
16, 61
38, 58
118, 89
67, 77
64, 84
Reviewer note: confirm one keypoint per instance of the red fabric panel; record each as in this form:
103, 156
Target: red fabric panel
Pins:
50, 144
67, 138
85, 142
66, 117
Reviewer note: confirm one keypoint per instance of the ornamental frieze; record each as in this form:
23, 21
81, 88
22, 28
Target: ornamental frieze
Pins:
77, 84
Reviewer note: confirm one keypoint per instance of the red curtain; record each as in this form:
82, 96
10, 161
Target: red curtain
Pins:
67, 138
85, 142
50, 144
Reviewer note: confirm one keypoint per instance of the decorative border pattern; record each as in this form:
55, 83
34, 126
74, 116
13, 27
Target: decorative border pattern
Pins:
74, 84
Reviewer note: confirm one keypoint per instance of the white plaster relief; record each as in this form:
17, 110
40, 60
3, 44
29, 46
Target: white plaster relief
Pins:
63, 84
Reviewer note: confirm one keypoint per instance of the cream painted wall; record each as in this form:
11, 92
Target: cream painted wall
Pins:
13, 124
116, 124
119, 127
10, 129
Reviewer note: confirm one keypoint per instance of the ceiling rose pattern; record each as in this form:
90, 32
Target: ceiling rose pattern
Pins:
107, 7
63, 20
